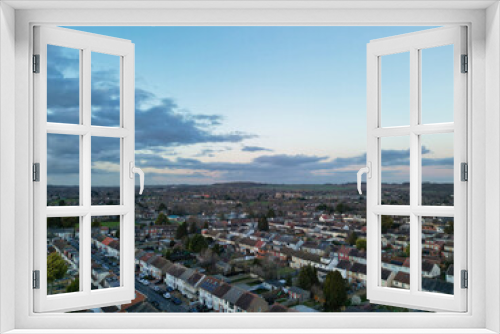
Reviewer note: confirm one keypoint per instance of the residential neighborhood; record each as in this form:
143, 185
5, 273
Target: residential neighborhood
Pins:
250, 248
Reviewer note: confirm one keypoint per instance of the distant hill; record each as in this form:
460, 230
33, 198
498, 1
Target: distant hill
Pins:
239, 184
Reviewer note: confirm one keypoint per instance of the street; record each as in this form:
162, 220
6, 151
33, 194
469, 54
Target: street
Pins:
164, 304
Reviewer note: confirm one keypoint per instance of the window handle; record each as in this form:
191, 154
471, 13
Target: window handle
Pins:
368, 171
135, 170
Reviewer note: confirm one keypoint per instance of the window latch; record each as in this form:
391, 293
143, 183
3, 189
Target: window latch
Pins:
134, 170
368, 171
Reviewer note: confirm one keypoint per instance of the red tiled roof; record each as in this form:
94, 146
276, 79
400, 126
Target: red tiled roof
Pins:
107, 241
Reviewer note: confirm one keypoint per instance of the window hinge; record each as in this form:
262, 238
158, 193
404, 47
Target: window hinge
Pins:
465, 64
36, 279
464, 171
36, 172
36, 63
465, 279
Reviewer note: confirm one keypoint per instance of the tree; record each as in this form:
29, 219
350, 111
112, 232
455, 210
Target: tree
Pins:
308, 276
208, 259
168, 254
263, 225
271, 213
162, 219
181, 231
353, 237
117, 233
407, 250
326, 208
162, 207
64, 222
205, 225
193, 228
217, 249
197, 243
341, 208
361, 244
449, 228
56, 267
335, 291
62, 203
289, 281
387, 223
95, 224
74, 286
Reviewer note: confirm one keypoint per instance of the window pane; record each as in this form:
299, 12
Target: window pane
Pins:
395, 245
437, 254
395, 89
437, 84
63, 255
63, 170
105, 89
437, 169
395, 161
63, 84
105, 252
105, 171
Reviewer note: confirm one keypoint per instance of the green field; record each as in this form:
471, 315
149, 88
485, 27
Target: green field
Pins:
108, 224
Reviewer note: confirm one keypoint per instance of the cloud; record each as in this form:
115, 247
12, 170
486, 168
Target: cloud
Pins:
255, 149
288, 161
166, 125
162, 126
211, 152
438, 162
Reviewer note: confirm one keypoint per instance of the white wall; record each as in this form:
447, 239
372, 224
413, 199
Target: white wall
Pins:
7, 161
492, 163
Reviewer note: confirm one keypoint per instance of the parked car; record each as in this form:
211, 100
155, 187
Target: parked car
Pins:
176, 301
167, 295
170, 289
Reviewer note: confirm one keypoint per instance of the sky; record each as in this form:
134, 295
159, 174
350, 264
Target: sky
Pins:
261, 104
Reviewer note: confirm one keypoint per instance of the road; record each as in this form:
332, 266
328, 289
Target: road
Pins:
164, 304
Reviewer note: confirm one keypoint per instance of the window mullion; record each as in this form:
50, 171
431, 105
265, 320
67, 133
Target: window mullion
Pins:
85, 228
414, 169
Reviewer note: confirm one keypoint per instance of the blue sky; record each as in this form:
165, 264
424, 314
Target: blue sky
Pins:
264, 104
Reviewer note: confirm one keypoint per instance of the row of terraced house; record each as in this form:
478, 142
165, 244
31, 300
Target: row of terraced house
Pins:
209, 291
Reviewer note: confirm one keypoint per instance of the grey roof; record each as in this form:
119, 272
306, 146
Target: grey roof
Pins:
210, 284
233, 294
386, 273
436, 285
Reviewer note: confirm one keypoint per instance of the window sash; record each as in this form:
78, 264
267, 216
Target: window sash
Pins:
86, 43
414, 298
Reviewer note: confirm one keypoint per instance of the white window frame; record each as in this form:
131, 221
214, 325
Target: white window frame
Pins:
414, 43
483, 20
86, 44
